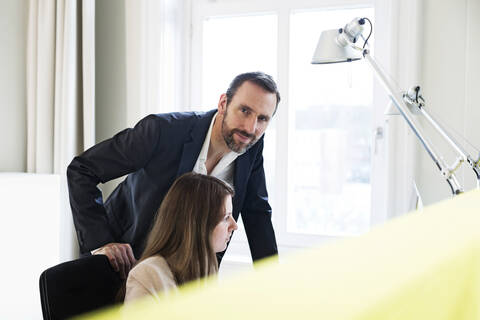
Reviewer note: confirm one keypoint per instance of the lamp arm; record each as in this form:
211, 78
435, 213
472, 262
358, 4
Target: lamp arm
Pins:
412, 99
402, 108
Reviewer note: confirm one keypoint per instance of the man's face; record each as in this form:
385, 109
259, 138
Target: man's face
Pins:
247, 116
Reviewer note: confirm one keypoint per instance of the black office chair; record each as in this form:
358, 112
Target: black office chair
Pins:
78, 286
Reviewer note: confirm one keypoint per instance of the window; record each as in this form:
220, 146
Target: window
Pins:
319, 165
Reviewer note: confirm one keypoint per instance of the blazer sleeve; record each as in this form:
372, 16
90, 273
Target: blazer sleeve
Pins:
257, 213
126, 152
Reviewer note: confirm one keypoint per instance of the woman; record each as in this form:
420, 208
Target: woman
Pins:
193, 222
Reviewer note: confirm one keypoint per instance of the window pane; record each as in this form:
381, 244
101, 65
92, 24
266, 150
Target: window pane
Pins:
333, 121
233, 45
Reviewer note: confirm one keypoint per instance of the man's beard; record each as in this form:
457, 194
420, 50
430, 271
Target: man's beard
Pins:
230, 141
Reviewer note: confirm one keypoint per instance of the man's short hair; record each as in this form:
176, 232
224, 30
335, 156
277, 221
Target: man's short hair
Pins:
261, 79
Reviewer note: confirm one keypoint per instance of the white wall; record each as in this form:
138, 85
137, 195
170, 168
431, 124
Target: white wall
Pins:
450, 78
13, 123
110, 73
30, 240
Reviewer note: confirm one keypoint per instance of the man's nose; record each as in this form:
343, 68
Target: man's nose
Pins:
251, 125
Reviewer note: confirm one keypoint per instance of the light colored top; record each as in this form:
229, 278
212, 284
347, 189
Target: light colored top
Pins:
225, 167
151, 277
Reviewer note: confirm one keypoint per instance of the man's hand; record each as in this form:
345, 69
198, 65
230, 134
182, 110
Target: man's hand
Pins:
120, 256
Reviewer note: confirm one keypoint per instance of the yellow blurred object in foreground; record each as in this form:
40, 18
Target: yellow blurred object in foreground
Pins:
424, 265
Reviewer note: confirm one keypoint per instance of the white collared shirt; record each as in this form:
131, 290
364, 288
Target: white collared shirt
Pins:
224, 169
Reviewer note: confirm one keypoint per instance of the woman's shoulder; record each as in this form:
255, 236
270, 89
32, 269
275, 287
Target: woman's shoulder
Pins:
153, 269
150, 277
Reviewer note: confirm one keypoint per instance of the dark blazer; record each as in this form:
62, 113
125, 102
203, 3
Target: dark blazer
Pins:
154, 153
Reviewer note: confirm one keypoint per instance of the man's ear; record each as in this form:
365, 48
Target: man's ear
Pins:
222, 104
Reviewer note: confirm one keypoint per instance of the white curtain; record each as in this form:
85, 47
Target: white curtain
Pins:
156, 54
60, 93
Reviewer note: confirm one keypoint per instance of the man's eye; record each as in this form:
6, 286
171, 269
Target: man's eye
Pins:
263, 119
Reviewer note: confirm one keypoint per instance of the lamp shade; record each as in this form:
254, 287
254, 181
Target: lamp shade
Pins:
329, 51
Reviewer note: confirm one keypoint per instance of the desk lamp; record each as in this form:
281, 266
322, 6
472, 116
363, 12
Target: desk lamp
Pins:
340, 45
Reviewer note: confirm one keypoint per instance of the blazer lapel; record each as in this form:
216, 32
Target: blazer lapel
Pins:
242, 166
192, 147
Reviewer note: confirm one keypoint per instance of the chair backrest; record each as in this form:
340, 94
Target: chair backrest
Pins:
78, 286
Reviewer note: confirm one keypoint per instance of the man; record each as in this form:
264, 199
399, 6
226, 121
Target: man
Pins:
226, 143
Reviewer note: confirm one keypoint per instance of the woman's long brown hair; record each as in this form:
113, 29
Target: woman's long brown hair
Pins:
183, 225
